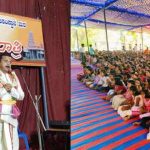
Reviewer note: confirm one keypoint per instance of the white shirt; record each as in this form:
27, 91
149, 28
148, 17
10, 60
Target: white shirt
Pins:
81, 50
16, 92
105, 83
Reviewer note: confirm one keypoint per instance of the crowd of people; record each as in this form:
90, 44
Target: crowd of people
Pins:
124, 77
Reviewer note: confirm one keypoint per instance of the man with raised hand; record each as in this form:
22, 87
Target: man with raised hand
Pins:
10, 92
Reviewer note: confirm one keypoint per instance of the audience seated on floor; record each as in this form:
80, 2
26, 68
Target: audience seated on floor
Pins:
124, 77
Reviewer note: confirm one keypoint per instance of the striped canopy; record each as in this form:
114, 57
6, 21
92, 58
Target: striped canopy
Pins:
120, 14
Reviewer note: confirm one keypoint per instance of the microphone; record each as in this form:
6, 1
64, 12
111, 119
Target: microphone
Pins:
19, 68
16, 67
9, 69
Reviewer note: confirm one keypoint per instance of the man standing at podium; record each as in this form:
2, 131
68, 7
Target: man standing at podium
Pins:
10, 92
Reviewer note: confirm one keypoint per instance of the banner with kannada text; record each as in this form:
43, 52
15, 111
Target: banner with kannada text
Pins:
22, 37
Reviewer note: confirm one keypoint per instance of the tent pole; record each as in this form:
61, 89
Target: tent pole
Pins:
86, 33
106, 30
77, 39
142, 38
124, 42
43, 83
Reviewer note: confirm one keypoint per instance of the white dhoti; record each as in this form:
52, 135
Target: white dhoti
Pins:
117, 101
8, 137
9, 124
8, 130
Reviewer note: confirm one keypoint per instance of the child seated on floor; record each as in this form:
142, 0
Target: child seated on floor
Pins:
103, 87
111, 84
100, 82
93, 84
138, 104
94, 60
87, 56
118, 97
134, 75
128, 110
145, 115
86, 73
89, 75
81, 75
94, 74
147, 74
142, 75
146, 84
147, 101
138, 85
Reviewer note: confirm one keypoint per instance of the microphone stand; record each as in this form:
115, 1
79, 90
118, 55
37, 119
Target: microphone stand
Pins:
37, 112
34, 104
38, 122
